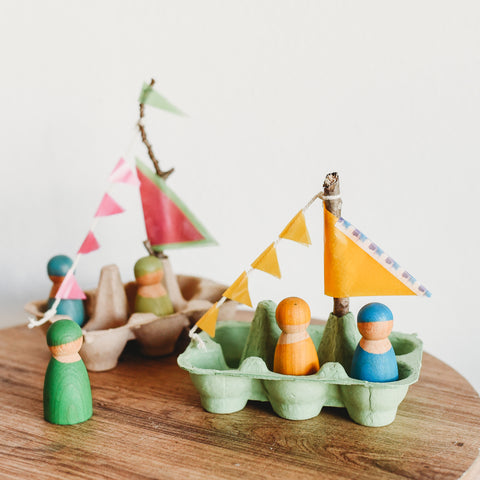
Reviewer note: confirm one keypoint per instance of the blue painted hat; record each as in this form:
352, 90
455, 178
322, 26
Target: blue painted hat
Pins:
59, 265
374, 312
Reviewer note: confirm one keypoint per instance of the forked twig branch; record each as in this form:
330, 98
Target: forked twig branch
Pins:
143, 133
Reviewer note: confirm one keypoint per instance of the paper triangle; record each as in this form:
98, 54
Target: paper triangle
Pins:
296, 230
168, 221
89, 244
209, 320
122, 173
350, 271
267, 262
108, 206
69, 289
238, 291
151, 97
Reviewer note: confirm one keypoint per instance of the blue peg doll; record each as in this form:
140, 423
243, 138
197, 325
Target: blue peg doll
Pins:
374, 359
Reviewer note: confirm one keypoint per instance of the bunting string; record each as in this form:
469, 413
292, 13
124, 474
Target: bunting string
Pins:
122, 173
296, 230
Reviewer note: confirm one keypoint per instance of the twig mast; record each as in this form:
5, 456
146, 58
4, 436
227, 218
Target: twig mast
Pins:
331, 188
141, 127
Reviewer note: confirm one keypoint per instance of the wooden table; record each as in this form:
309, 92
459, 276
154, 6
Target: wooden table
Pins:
148, 423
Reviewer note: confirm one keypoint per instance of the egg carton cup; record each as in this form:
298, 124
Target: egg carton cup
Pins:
236, 366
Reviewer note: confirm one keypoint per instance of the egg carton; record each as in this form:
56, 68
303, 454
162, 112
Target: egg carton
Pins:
112, 321
236, 366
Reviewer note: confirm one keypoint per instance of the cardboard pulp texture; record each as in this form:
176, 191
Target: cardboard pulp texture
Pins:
237, 366
111, 321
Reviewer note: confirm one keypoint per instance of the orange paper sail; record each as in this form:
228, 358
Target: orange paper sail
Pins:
209, 320
267, 262
354, 266
238, 291
296, 230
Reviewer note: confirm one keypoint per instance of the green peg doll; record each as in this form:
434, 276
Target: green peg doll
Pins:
67, 397
152, 297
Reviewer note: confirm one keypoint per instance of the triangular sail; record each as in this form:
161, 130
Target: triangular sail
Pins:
168, 221
354, 266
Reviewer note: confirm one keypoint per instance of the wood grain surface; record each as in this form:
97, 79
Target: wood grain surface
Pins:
148, 423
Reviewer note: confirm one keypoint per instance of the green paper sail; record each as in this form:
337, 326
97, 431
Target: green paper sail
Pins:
148, 96
168, 221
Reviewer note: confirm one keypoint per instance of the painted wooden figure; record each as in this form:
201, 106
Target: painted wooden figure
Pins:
57, 268
295, 353
152, 297
67, 397
374, 358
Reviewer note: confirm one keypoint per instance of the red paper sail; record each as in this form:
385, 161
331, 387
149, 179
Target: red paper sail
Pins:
168, 221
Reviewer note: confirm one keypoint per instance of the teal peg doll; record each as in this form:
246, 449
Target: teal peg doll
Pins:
67, 396
57, 268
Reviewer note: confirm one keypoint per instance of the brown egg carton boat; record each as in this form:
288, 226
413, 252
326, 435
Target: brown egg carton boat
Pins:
112, 322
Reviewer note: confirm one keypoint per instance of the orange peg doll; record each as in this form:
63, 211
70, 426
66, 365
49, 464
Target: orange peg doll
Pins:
295, 353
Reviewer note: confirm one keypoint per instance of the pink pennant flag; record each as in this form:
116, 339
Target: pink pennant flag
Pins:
89, 244
122, 173
69, 289
108, 207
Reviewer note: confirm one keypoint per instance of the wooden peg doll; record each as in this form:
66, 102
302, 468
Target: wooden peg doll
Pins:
57, 268
295, 353
67, 397
374, 359
152, 297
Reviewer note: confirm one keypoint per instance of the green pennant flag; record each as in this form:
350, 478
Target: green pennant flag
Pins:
149, 96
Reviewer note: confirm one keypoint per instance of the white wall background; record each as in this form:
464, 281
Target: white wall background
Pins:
278, 94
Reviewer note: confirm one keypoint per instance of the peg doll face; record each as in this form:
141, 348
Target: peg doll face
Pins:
64, 340
148, 270
67, 349
293, 315
375, 321
150, 278
375, 330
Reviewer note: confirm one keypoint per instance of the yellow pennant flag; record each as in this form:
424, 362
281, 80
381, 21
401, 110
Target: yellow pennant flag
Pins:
209, 320
238, 291
267, 262
352, 272
296, 230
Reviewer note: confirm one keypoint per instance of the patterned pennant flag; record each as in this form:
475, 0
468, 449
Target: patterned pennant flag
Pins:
150, 97
238, 291
267, 262
69, 289
108, 206
122, 173
89, 244
354, 266
296, 230
209, 320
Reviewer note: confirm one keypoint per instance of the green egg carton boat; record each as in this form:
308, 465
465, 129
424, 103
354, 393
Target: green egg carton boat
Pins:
236, 365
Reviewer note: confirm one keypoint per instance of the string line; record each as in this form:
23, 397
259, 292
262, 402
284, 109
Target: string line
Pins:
51, 312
